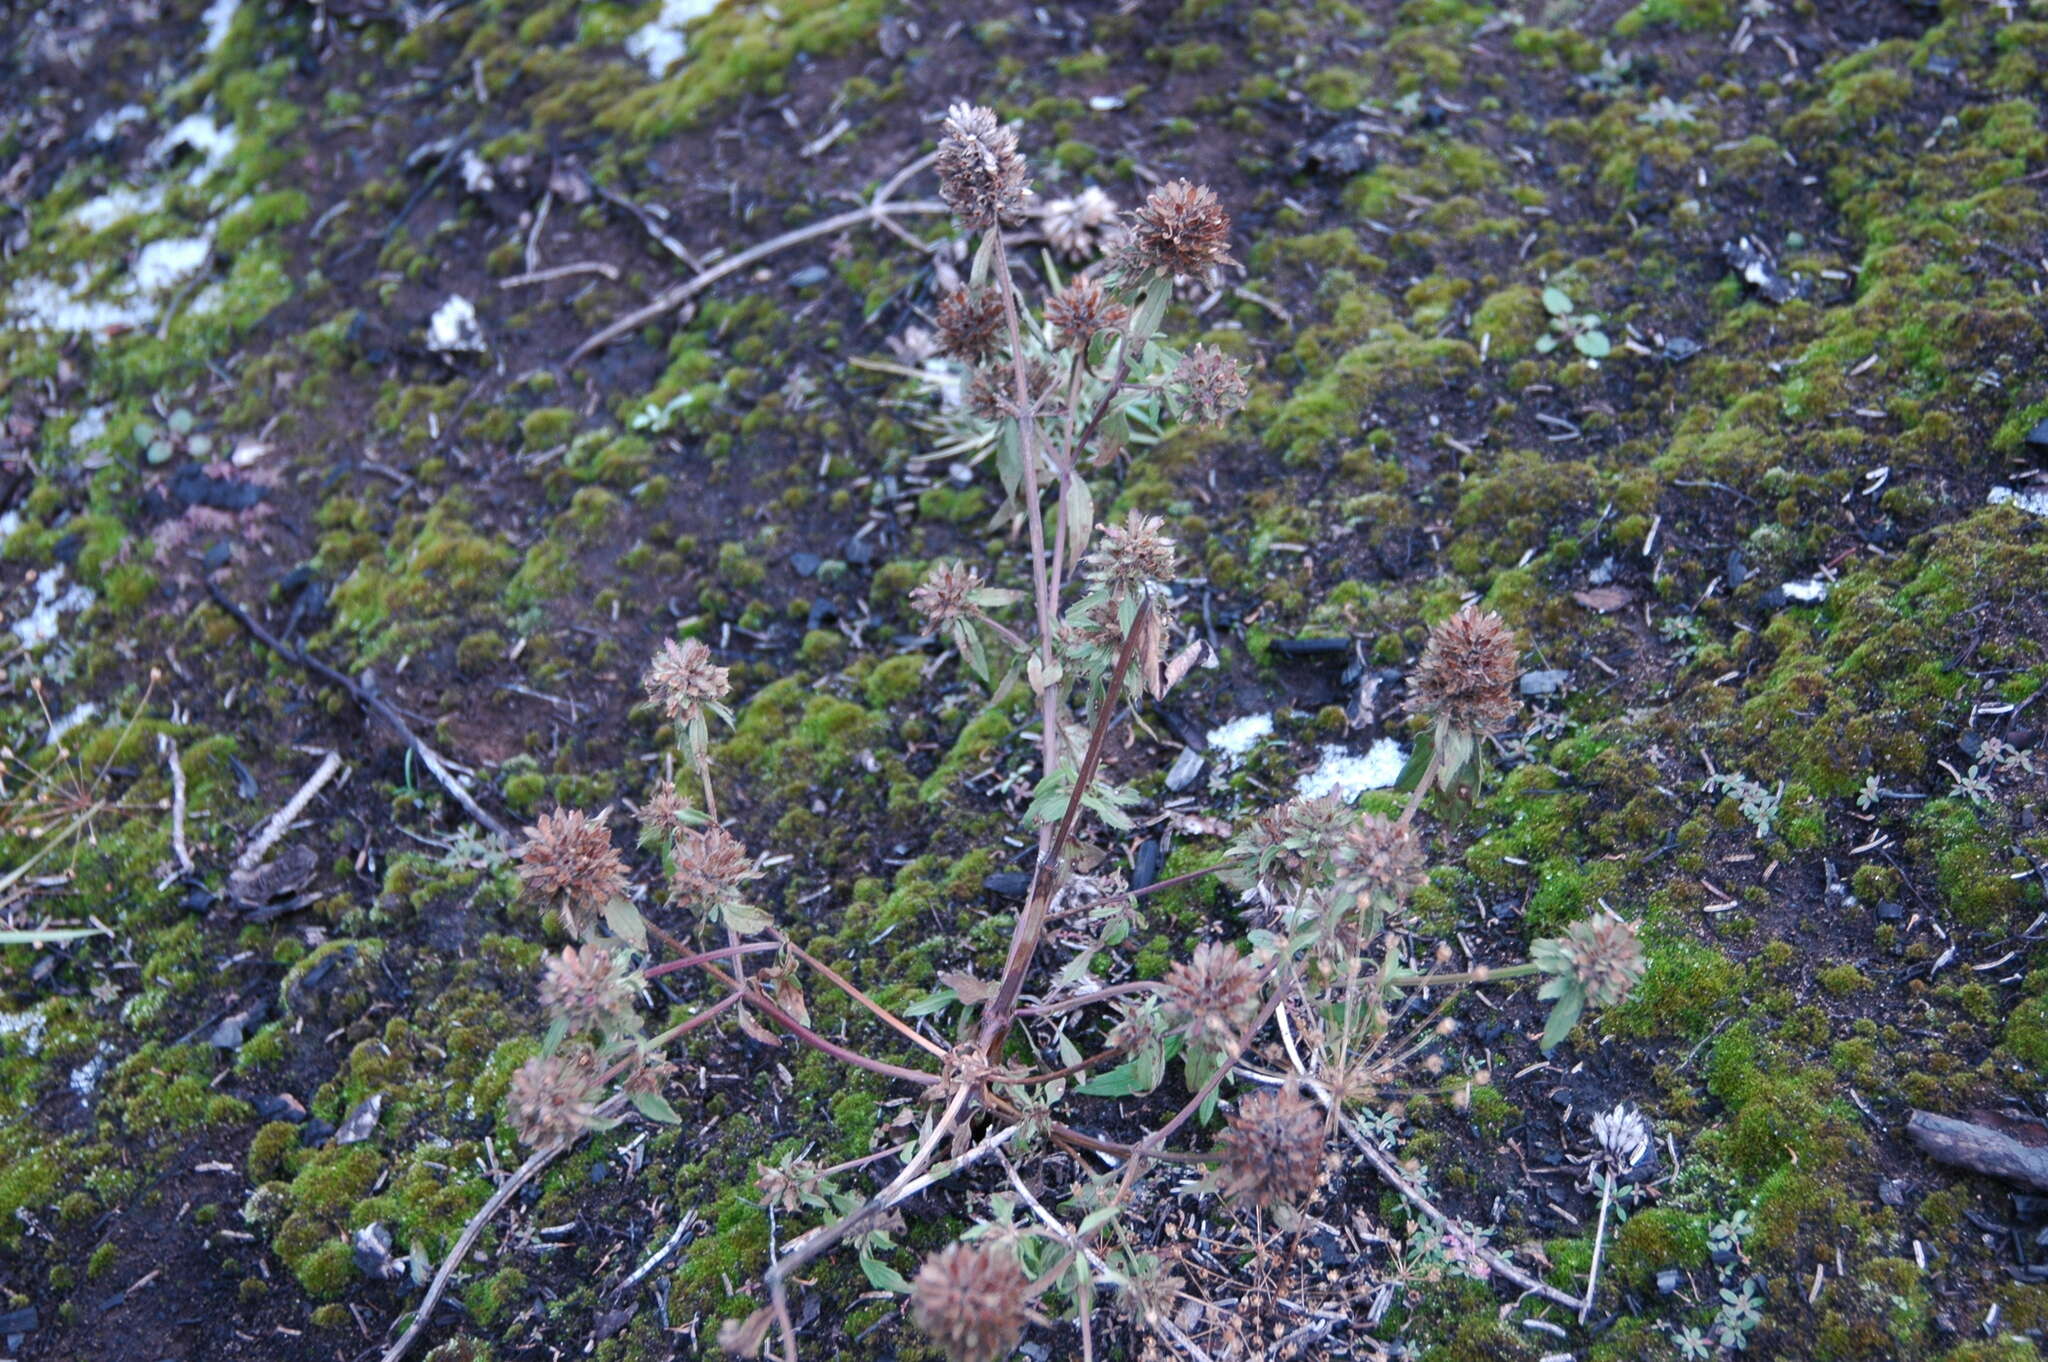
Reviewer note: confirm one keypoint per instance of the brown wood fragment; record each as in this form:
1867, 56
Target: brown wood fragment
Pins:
1980, 1149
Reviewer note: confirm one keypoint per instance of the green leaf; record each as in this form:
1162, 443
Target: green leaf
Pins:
932, 1004
984, 259
626, 923
1080, 506
1556, 301
1418, 762
558, 1031
180, 421
1564, 1015
1593, 344
655, 1107
1151, 310
1545, 344
1124, 1080
745, 918
880, 1275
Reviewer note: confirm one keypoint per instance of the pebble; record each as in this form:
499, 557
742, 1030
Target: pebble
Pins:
1544, 682
1186, 767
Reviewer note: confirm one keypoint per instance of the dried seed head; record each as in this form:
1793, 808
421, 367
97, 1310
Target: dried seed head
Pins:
1079, 227
1081, 311
1290, 846
1605, 956
970, 1298
710, 867
1273, 1150
663, 813
1133, 554
568, 864
586, 988
1466, 672
1381, 861
1212, 997
681, 679
1181, 231
947, 593
1622, 1136
552, 1097
981, 175
1214, 382
970, 324
992, 391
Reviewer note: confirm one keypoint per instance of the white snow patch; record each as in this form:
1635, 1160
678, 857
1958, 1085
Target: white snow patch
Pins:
96, 215
78, 715
109, 124
1807, 591
165, 264
1348, 775
202, 135
86, 1076
454, 326
28, 1025
661, 44
53, 599
220, 17
1239, 736
476, 173
52, 306
90, 425
10, 523
2033, 500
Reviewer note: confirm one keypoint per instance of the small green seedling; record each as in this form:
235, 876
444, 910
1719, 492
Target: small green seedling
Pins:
1582, 330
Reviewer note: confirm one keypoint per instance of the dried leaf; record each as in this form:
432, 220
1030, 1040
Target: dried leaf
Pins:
971, 990
1604, 599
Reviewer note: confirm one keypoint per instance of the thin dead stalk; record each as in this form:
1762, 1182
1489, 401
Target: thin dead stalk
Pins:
329, 766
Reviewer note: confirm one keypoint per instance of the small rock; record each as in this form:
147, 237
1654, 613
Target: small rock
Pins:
1310, 647
1342, 151
809, 276
280, 1107
1749, 258
805, 564
1891, 1191
1145, 865
2038, 436
1602, 573
1007, 884
1736, 568
1544, 682
372, 1245
1679, 349
2032, 500
858, 552
316, 1132
1670, 1282
235, 1029
1186, 767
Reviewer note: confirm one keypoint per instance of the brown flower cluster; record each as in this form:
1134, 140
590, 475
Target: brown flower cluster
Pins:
970, 1298
710, 867
568, 863
1078, 227
1181, 231
1211, 997
982, 177
682, 679
1273, 1150
1214, 383
553, 1097
1606, 957
1082, 311
992, 391
970, 324
1290, 847
947, 593
1467, 672
1133, 553
664, 811
1381, 861
587, 988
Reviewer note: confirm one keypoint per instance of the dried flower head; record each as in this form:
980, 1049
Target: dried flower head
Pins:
1273, 1150
981, 175
1082, 311
568, 863
970, 324
1214, 382
1381, 860
1212, 996
992, 391
1466, 672
682, 680
1602, 954
1181, 231
970, 1298
710, 867
1289, 847
587, 988
947, 593
1133, 554
665, 814
1079, 227
1622, 1137
553, 1097
1149, 1292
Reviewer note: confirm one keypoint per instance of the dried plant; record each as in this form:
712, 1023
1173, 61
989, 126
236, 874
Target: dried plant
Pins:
1332, 967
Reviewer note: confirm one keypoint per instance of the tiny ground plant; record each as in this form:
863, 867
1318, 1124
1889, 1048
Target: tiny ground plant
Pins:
1327, 972
1581, 329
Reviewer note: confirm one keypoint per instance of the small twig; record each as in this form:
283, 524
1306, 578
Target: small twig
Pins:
658, 1256
671, 299
330, 765
648, 225
371, 703
561, 272
170, 753
539, 1159
1599, 1242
